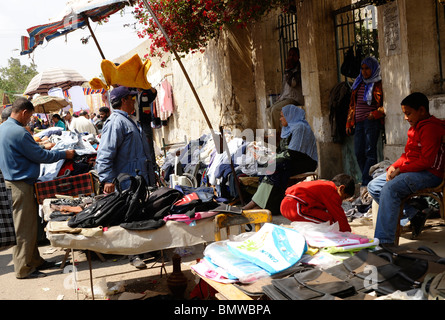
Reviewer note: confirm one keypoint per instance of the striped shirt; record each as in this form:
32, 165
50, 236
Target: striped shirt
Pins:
363, 109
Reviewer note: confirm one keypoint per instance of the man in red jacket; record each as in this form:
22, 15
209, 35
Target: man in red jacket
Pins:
319, 201
419, 167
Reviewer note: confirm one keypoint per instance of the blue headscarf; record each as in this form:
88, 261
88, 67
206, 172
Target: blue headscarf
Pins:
374, 65
303, 139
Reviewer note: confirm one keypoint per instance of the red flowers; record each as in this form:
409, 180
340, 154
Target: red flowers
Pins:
190, 24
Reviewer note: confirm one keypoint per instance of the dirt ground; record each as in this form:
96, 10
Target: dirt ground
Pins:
116, 279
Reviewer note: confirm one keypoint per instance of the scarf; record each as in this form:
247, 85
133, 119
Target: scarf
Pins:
303, 139
374, 65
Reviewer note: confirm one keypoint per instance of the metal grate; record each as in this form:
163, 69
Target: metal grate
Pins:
287, 28
355, 27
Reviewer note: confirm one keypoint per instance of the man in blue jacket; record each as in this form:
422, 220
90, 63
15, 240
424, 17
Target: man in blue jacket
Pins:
20, 159
123, 147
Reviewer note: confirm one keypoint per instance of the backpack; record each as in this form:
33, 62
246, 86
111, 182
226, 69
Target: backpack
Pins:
351, 64
114, 208
194, 202
160, 202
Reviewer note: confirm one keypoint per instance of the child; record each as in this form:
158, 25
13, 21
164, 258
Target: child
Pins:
419, 167
319, 201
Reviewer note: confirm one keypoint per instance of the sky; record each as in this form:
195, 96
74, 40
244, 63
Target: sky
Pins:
64, 51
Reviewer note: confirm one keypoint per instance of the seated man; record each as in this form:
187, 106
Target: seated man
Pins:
419, 167
319, 201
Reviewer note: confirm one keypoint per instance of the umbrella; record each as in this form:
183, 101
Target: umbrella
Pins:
76, 15
55, 77
44, 104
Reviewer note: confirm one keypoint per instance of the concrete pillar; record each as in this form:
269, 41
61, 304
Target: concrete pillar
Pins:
319, 76
409, 62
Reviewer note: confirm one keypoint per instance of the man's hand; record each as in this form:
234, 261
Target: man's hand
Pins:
70, 154
48, 145
349, 131
391, 173
108, 187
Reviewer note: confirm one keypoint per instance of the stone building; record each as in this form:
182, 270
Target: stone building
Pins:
241, 70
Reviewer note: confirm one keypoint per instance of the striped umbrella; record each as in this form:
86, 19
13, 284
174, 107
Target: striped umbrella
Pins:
44, 104
55, 77
75, 17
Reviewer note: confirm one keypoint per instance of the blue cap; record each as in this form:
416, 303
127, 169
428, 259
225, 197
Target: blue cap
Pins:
121, 92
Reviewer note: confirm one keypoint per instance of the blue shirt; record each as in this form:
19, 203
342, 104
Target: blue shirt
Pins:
123, 148
20, 155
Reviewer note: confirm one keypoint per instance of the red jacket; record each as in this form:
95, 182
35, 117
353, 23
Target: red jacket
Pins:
315, 201
424, 149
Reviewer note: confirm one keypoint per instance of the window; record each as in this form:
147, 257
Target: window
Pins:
356, 28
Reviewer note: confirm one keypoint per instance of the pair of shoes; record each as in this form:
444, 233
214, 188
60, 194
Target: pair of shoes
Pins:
138, 263
47, 265
417, 223
34, 275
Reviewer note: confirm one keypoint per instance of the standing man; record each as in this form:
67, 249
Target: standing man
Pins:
20, 158
104, 113
123, 147
291, 92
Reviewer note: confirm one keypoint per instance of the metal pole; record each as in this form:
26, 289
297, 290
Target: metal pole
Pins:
94, 37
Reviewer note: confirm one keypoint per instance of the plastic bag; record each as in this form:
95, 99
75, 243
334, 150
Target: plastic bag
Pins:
273, 248
219, 254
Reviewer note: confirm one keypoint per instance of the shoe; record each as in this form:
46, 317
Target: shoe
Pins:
34, 275
47, 265
138, 263
417, 223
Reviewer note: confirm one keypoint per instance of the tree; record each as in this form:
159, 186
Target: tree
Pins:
190, 24
15, 78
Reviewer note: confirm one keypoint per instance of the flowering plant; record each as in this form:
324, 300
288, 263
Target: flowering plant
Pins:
190, 24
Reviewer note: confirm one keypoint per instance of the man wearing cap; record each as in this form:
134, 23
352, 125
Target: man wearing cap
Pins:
123, 147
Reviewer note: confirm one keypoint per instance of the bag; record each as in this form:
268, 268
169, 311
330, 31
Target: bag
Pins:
115, 208
434, 286
7, 231
415, 263
194, 202
313, 285
160, 202
81, 184
351, 64
368, 272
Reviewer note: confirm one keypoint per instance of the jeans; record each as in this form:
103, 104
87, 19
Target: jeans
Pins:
389, 195
365, 146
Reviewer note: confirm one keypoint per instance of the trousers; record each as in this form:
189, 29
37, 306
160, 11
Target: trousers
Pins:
389, 195
365, 146
25, 254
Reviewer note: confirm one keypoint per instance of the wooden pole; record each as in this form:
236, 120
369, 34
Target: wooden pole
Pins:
155, 18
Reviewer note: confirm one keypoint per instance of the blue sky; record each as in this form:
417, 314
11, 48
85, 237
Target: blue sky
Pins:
66, 52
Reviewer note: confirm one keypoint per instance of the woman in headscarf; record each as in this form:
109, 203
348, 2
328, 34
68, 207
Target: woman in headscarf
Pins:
365, 116
297, 154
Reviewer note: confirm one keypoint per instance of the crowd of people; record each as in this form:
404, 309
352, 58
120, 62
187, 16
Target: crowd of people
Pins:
125, 147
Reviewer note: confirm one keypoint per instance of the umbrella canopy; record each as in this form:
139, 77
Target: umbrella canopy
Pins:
55, 77
75, 16
44, 104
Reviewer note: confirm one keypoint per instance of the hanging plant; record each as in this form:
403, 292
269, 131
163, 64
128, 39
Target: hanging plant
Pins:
190, 24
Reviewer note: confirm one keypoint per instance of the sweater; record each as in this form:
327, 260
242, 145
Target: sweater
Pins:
314, 201
424, 149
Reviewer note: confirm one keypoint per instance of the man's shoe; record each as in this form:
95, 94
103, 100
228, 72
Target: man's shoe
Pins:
417, 223
138, 263
47, 265
34, 275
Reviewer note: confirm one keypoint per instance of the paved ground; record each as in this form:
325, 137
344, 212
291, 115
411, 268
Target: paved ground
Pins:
116, 273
